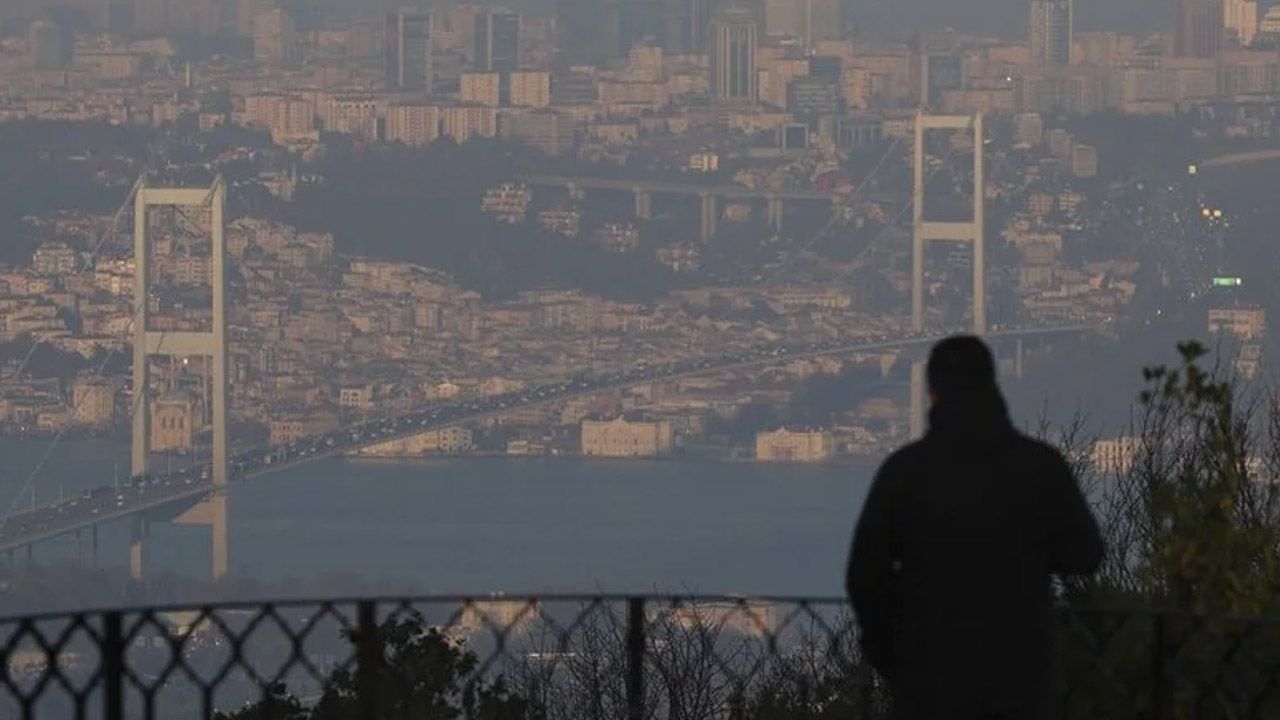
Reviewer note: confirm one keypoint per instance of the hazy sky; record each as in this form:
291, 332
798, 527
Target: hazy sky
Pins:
1009, 17
999, 17
901, 17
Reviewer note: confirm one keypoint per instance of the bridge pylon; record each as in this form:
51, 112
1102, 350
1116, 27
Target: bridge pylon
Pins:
971, 231
918, 403
708, 214
211, 344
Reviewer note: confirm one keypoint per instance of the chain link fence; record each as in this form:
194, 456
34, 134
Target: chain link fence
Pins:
594, 657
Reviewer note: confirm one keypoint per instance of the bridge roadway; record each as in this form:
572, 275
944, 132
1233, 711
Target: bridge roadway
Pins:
733, 192
1243, 158
161, 493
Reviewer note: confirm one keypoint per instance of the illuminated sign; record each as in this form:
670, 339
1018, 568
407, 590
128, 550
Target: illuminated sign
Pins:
1228, 282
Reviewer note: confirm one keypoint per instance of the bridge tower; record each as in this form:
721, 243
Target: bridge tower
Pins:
971, 231
211, 344
925, 231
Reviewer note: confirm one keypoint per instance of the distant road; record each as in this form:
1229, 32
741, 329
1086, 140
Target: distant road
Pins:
106, 504
673, 188
1245, 158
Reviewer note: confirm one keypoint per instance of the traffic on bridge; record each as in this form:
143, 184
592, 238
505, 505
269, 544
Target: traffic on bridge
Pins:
146, 493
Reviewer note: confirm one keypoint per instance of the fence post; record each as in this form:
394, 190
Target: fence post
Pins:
1159, 673
368, 659
112, 666
635, 658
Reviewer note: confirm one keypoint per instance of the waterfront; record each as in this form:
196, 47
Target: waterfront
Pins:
492, 525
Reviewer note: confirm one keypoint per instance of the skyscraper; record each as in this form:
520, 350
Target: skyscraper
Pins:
275, 36
1050, 32
1240, 17
733, 55
785, 17
684, 25
48, 46
408, 63
1198, 29
824, 20
245, 10
497, 41
809, 21
588, 32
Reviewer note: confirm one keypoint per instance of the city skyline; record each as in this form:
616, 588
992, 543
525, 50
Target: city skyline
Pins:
671, 231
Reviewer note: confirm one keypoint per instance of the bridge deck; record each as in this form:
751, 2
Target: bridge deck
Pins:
103, 506
676, 188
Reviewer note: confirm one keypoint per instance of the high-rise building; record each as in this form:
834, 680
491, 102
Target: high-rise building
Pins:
575, 86
530, 89
288, 117
275, 36
413, 125
47, 46
463, 122
824, 20
733, 55
245, 11
365, 39
640, 21
1198, 29
408, 55
809, 21
481, 88
1050, 32
940, 72
588, 32
1269, 26
550, 131
684, 25
784, 17
497, 44
1240, 17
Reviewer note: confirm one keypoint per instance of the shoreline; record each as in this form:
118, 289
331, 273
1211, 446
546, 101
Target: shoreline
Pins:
677, 458
697, 455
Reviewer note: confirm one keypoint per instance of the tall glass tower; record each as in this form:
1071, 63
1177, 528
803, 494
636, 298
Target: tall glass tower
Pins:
497, 41
1050, 32
733, 55
408, 63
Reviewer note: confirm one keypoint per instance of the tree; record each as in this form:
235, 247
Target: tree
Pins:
1194, 523
277, 704
421, 674
1193, 534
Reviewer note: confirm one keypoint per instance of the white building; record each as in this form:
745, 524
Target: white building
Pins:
447, 441
413, 125
783, 445
509, 202
1115, 456
481, 89
530, 89
1240, 17
621, 438
1242, 323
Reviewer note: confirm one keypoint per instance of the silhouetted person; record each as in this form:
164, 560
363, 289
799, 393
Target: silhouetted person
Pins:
951, 562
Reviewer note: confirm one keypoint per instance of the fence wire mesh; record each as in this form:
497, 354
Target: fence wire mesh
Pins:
595, 657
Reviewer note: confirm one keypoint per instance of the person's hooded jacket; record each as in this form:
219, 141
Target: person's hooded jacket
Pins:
951, 564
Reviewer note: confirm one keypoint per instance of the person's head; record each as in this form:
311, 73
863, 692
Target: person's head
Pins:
961, 366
